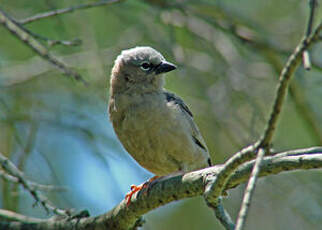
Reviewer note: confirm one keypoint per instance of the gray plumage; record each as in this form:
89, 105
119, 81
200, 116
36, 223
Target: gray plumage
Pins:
154, 126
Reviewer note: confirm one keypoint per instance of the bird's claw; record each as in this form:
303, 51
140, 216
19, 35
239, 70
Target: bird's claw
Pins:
134, 189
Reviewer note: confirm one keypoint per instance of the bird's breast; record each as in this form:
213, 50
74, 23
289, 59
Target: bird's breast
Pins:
147, 113
154, 132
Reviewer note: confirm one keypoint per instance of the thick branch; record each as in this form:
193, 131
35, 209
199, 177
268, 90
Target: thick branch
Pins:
177, 188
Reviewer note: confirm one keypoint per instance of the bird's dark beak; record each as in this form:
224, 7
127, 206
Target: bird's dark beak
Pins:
164, 67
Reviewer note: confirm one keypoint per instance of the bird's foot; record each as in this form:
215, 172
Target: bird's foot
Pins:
135, 189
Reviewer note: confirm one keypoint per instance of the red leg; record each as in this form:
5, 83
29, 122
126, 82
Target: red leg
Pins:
135, 189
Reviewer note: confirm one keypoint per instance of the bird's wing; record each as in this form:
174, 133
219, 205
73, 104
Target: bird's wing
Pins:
170, 97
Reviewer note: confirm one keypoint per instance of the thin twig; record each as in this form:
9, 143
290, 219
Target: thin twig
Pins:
17, 30
299, 98
306, 60
277, 161
313, 5
308, 151
11, 169
26, 149
222, 215
265, 141
50, 42
215, 188
267, 49
242, 215
6, 215
284, 79
306, 55
53, 42
65, 11
32, 184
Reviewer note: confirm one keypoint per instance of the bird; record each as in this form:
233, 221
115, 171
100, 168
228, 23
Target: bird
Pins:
154, 125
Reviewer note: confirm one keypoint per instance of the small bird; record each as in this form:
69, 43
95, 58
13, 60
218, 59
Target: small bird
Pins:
155, 126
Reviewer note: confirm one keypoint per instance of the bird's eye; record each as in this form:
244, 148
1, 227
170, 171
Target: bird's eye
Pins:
145, 66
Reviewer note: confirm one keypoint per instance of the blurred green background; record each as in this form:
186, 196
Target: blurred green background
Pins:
229, 54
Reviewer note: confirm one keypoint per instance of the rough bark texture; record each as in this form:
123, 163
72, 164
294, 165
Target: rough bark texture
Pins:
174, 188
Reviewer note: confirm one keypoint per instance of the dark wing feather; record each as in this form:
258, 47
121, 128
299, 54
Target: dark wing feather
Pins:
177, 100
195, 131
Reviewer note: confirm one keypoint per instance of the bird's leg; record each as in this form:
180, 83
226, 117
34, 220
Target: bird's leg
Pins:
135, 189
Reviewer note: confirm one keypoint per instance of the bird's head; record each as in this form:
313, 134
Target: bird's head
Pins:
139, 69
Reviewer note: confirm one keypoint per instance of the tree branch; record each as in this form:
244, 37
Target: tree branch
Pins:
53, 42
306, 55
65, 11
33, 185
11, 169
31, 42
242, 215
214, 187
10, 216
284, 79
267, 49
216, 181
176, 188
222, 215
280, 162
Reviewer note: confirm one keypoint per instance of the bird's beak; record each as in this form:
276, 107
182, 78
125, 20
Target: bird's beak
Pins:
164, 67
